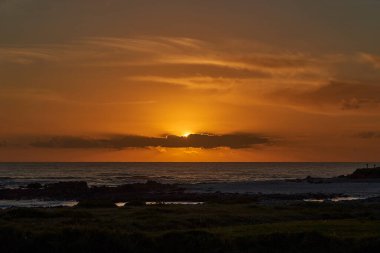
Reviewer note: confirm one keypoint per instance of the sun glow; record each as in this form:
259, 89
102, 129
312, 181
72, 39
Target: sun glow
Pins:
186, 134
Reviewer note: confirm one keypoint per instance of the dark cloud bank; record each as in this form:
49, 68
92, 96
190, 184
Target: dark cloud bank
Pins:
368, 135
346, 96
206, 141
3, 144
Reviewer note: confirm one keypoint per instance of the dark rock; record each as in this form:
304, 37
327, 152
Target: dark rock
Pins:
34, 186
67, 186
366, 174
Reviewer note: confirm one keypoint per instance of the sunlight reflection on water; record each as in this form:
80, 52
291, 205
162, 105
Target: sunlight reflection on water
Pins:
336, 199
149, 203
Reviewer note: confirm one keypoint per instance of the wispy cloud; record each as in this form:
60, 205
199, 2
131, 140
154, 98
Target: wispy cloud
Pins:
25, 55
253, 72
55, 97
110, 51
188, 62
208, 83
372, 59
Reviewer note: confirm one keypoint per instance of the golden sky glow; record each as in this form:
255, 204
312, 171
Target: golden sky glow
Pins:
147, 80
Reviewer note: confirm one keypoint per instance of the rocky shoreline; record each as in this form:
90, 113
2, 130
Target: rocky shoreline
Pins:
360, 175
157, 192
150, 191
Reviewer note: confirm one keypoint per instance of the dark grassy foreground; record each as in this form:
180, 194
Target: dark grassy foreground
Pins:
303, 227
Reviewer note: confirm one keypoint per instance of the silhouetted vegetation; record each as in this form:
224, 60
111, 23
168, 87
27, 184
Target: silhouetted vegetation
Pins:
247, 227
96, 203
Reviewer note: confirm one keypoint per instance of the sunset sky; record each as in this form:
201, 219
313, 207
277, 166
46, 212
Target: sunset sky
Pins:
189, 80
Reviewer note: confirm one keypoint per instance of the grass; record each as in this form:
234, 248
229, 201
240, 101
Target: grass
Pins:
200, 228
333, 228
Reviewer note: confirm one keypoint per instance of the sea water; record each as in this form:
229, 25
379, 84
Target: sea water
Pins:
112, 174
264, 178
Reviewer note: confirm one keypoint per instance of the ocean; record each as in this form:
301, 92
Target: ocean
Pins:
13, 175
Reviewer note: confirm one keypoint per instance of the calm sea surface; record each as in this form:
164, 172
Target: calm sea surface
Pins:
16, 174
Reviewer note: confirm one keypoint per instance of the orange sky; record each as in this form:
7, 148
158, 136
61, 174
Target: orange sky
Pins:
248, 80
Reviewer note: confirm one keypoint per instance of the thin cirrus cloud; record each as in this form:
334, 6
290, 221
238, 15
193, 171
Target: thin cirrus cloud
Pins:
204, 141
171, 60
270, 75
54, 97
208, 83
112, 51
160, 51
25, 55
372, 59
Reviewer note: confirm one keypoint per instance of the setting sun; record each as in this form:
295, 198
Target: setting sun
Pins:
186, 134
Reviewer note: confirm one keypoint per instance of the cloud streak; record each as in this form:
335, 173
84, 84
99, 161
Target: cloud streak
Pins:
374, 60
174, 51
25, 55
247, 71
204, 141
